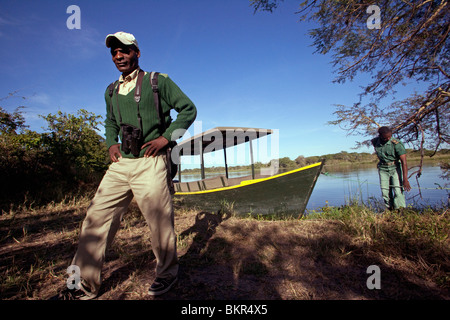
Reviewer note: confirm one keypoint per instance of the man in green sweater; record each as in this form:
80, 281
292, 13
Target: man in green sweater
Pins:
140, 173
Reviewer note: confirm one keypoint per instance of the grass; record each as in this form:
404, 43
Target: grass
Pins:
322, 255
410, 237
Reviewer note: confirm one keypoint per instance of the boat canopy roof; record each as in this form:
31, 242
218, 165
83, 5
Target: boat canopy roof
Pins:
219, 138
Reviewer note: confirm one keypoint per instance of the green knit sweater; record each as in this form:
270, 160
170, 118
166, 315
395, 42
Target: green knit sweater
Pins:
171, 97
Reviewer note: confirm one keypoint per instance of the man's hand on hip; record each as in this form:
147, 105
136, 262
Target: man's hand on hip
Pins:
154, 146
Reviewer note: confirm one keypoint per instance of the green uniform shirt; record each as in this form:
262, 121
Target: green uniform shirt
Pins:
388, 152
171, 97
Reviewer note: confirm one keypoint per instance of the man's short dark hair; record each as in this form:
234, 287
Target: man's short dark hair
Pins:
384, 130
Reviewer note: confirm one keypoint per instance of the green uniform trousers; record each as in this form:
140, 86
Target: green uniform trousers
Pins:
391, 183
145, 179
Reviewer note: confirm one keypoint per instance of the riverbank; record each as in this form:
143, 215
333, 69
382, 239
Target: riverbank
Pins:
334, 161
413, 160
325, 255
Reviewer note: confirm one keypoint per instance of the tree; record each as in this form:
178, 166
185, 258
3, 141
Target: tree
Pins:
75, 145
300, 161
37, 167
411, 46
286, 163
10, 123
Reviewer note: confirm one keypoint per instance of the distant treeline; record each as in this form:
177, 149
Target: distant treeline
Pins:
340, 158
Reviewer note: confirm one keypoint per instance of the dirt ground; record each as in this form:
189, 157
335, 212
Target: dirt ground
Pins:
221, 258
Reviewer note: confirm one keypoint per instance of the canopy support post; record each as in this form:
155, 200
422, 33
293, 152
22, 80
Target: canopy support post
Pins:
226, 164
251, 159
202, 161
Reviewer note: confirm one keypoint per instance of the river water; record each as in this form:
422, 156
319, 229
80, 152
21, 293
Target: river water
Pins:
338, 187
341, 187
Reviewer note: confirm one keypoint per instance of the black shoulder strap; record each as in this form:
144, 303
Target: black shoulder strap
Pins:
137, 95
138, 89
111, 88
154, 83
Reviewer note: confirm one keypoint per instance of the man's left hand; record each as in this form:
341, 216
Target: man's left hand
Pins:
154, 146
406, 185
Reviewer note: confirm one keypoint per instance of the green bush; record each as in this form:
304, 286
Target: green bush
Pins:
37, 168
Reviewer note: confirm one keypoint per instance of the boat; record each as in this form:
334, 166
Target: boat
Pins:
268, 192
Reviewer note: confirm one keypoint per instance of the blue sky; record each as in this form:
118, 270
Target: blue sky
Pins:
239, 68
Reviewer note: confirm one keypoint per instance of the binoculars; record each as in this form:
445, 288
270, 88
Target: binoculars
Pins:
132, 139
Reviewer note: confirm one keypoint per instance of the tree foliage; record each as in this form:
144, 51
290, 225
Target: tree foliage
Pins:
49, 166
411, 47
74, 143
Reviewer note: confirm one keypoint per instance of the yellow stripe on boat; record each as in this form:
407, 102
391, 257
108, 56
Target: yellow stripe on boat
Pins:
249, 182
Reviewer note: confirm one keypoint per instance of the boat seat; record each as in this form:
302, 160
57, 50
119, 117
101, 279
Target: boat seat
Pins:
205, 184
214, 183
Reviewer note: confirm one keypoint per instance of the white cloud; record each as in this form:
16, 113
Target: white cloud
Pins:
40, 99
78, 43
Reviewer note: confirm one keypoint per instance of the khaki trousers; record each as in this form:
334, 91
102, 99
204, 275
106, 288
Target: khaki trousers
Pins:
145, 179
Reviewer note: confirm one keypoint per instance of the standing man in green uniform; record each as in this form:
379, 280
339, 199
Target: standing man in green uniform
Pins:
392, 168
141, 174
